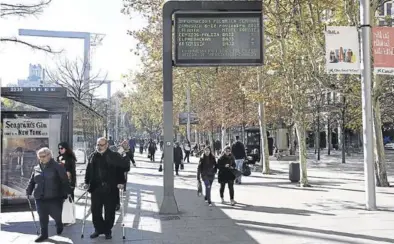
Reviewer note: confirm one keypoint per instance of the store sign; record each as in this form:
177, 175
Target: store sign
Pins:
27, 128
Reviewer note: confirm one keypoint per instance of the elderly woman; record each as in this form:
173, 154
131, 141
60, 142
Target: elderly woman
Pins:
49, 186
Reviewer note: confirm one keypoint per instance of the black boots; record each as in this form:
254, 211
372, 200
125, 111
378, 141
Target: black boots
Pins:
41, 238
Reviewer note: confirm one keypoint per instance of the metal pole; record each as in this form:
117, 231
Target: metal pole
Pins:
169, 205
188, 109
86, 60
367, 105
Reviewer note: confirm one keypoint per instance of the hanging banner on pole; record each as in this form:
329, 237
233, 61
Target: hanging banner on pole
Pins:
342, 50
383, 50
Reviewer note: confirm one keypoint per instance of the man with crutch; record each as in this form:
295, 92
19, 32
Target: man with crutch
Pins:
103, 178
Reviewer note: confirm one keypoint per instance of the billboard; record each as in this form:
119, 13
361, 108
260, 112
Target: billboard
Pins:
183, 118
342, 50
383, 50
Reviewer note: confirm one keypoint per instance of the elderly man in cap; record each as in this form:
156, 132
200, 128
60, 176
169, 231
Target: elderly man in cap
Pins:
104, 177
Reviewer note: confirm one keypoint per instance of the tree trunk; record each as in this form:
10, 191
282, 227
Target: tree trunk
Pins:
302, 153
264, 159
264, 154
343, 141
328, 136
292, 147
380, 159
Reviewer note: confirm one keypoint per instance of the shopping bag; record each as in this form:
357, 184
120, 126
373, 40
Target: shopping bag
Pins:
199, 188
68, 214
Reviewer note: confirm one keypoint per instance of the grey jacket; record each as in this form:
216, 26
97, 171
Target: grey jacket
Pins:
48, 181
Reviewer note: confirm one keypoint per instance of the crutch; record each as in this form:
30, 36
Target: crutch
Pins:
84, 213
32, 214
122, 201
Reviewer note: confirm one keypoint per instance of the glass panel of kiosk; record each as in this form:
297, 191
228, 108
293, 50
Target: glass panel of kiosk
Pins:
22, 135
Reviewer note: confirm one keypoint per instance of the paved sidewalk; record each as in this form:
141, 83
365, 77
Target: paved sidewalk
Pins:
269, 210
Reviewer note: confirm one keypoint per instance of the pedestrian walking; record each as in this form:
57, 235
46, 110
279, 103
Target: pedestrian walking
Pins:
178, 157
206, 171
103, 178
226, 164
239, 153
129, 150
49, 186
152, 150
187, 148
67, 159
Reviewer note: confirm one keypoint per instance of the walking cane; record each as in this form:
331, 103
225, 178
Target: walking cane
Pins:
122, 201
32, 214
84, 213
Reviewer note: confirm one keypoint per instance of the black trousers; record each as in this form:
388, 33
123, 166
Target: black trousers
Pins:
130, 155
187, 156
230, 185
177, 167
108, 199
46, 208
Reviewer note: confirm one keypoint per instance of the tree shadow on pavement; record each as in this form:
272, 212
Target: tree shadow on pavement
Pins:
313, 233
273, 210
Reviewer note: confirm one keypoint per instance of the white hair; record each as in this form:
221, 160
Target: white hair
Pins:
44, 150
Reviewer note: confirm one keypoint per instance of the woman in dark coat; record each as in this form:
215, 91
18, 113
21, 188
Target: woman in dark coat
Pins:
206, 170
226, 164
68, 160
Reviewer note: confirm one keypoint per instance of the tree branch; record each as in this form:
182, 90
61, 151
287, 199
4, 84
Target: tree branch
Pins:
36, 47
23, 10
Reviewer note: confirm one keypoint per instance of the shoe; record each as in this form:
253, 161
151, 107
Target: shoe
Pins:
94, 235
233, 202
41, 238
210, 204
223, 202
108, 236
59, 230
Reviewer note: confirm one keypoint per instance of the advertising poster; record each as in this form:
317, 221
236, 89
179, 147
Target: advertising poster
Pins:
383, 50
21, 139
342, 50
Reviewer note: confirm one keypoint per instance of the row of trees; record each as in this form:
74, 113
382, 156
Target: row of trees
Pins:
288, 90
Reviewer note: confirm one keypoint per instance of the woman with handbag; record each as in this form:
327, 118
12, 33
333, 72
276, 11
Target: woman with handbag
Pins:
49, 186
68, 160
206, 170
226, 165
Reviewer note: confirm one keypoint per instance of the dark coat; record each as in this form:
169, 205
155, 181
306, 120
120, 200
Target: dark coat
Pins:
48, 182
178, 155
238, 150
115, 169
225, 175
70, 166
206, 168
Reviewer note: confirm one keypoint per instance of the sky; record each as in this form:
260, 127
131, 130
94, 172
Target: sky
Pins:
113, 58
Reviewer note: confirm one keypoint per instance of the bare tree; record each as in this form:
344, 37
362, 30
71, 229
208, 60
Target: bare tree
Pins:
20, 9
70, 75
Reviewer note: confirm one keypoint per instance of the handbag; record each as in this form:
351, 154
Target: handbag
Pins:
246, 170
68, 213
199, 188
236, 172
